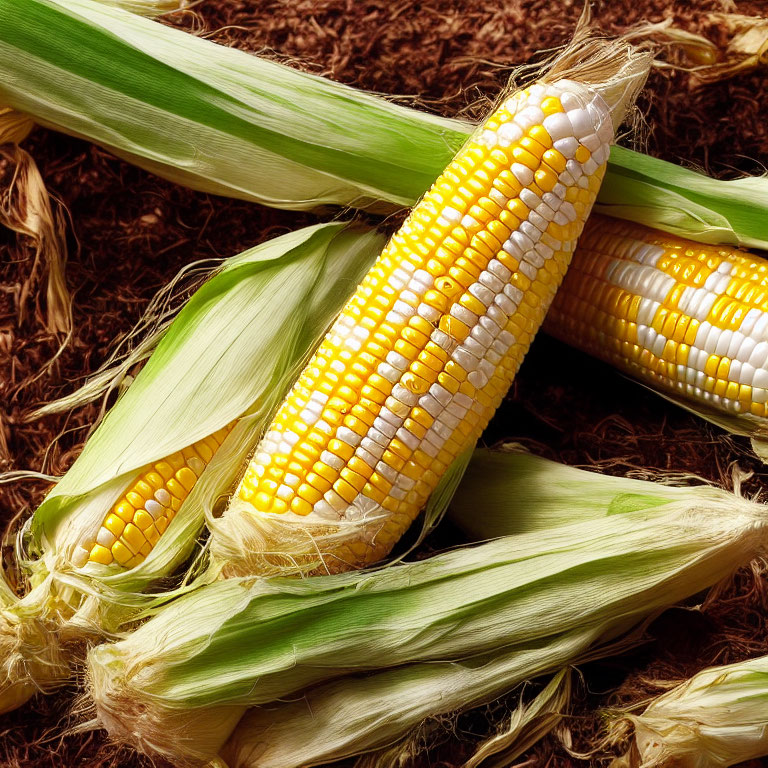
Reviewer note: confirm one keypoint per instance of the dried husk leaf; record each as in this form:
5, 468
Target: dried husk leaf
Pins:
717, 718
25, 208
746, 50
14, 126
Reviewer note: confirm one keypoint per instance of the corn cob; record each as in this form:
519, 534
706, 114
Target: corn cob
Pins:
414, 367
138, 519
686, 318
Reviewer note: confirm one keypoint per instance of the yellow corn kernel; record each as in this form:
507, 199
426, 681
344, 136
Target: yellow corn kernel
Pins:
100, 555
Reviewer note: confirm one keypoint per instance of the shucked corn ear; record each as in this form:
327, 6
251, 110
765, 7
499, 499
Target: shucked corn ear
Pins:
421, 356
233, 346
456, 629
215, 118
717, 718
617, 268
688, 319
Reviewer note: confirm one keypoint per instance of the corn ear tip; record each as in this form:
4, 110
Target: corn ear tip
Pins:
32, 659
240, 543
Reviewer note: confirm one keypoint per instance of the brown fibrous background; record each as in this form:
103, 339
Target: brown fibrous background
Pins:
129, 233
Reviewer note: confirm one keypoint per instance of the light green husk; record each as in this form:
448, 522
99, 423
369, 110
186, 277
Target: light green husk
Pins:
563, 495
232, 352
717, 718
214, 118
454, 630
223, 121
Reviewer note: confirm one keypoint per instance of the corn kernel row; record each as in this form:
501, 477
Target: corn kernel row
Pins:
688, 318
142, 514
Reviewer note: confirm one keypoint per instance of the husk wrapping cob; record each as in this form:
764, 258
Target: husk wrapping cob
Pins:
228, 354
715, 719
456, 629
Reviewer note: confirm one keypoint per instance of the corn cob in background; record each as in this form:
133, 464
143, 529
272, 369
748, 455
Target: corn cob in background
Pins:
717, 718
687, 319
422, 354
148, 84
380, 651
314, 159
129, 511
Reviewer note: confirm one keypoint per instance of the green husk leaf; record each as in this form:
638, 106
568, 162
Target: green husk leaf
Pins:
547, 495
231, 353
524, 605
717, 718
223, 121
674, 199
211, 117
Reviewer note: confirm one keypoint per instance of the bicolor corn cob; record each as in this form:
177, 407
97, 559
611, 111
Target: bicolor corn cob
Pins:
413, 369
141, 515
688, 319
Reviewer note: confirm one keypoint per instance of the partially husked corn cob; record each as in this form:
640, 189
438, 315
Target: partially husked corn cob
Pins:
421, 356
141, 515
686, 318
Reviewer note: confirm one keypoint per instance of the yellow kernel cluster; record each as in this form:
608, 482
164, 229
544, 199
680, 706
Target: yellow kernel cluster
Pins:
142, 514
415, 366
688, 318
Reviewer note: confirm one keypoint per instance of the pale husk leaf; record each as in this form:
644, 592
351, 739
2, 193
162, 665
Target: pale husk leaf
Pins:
29, 660
717, 718
360, 713
14, 126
